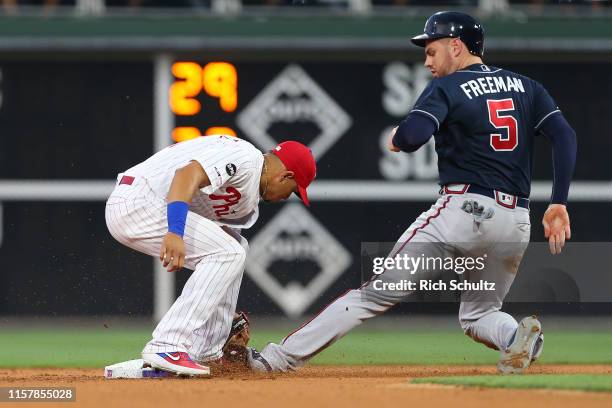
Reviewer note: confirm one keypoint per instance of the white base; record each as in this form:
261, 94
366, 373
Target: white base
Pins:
133, 369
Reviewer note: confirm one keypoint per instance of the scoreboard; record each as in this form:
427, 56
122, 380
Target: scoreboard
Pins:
218, 80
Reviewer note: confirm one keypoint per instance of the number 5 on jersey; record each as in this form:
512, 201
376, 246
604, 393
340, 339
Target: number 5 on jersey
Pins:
498, 141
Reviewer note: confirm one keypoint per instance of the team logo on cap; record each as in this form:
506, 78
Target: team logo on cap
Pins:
230, 169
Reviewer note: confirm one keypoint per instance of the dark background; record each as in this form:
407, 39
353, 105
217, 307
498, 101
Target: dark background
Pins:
91, 120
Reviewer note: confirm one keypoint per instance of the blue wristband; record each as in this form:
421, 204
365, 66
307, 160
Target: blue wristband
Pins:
177, 215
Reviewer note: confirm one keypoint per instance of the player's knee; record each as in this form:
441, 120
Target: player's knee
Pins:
240, 240
467, 318
466, 326
470, 330
383, 300
238, 253
244, 244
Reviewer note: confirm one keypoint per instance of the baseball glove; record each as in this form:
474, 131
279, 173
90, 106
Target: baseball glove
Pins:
234, 349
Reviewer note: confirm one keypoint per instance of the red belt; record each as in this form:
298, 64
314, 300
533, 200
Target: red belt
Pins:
126, 180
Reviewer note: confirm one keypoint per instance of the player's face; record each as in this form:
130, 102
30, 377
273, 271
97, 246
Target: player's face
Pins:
280, 187
439, 57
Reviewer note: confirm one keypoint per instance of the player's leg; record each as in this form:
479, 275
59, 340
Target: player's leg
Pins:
211, 337
136, 217
218, 262
357, 305
331, 324
479, 314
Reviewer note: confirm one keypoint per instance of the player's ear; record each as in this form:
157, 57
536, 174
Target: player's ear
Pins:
456, 47
287, 175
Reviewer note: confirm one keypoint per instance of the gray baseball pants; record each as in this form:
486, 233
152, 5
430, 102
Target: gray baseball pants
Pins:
453, 221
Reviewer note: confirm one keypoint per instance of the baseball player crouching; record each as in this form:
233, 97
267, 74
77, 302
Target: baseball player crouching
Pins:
187, 205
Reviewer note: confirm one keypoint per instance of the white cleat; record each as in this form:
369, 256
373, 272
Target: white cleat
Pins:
256, 361
525, 348
178, 363
539, 346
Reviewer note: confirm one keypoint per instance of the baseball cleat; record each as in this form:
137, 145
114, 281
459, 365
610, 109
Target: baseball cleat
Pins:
177, 362
539, 346
525, 348
256, 361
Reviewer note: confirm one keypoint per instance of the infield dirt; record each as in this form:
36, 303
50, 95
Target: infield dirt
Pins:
315, 386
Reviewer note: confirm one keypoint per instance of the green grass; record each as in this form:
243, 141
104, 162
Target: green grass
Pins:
583, 382
99, 347
452, 347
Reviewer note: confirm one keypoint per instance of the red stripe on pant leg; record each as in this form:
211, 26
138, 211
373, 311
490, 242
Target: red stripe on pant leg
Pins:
426, 223
431, 217
315, 316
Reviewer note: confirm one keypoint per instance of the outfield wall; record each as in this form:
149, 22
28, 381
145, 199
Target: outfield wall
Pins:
85, 99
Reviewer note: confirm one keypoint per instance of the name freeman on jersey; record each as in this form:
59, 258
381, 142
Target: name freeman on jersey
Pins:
491, 84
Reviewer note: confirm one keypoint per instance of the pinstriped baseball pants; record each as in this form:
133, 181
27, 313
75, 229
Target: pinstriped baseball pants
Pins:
200, 319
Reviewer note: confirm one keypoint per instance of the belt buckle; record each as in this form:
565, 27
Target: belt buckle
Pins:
505, 200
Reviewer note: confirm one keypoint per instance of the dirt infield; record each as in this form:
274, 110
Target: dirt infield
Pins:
337, 386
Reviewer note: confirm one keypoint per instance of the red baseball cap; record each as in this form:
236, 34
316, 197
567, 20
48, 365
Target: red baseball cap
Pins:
298, 158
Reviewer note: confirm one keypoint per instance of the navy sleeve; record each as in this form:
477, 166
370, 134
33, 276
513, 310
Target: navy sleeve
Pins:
544, 106
413, 132
563, 139
433, 102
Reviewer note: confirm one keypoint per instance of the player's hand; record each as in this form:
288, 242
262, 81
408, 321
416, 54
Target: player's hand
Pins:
556, 224
390, 144
172, 252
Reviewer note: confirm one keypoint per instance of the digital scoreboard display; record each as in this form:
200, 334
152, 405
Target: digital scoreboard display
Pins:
218, 80
340, 110
344, 110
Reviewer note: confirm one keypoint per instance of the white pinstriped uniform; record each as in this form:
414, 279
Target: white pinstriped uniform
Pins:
199, 320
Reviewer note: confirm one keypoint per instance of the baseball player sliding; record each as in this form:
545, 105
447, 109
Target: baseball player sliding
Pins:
186, 205
484, 120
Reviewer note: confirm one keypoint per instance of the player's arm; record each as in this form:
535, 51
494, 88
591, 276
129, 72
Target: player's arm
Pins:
556, 220
187, 180
423, 121
412, 133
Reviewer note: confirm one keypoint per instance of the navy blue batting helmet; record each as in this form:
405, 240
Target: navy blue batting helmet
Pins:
453, 24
